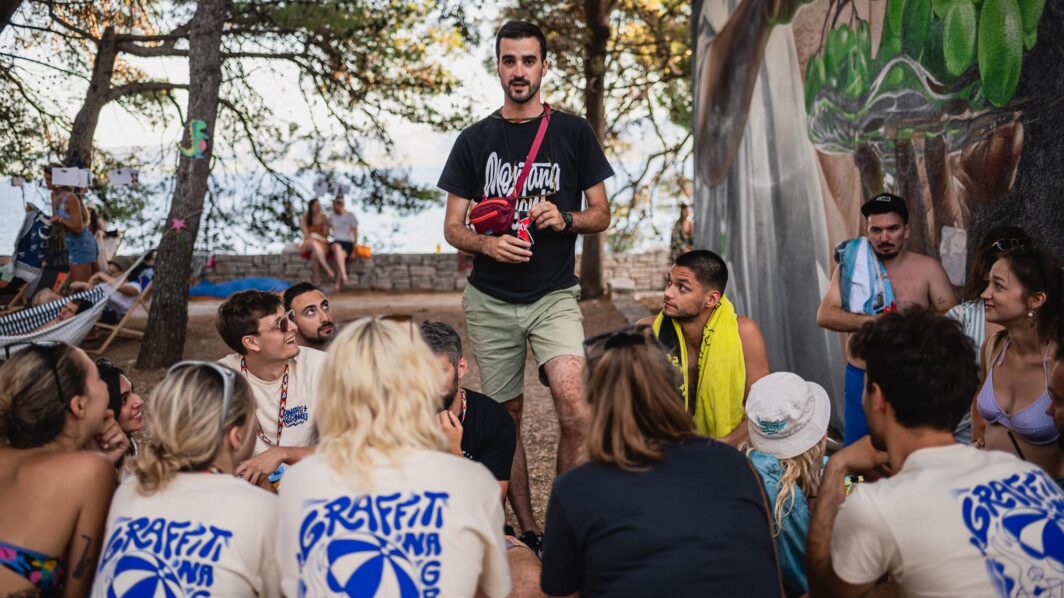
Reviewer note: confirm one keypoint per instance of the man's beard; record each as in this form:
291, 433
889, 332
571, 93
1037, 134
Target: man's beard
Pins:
448, 398
324, 337
883, 256
532, 90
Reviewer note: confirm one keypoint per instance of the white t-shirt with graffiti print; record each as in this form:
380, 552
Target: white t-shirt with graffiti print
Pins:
430, 524
299, 428
203, 534
955, 521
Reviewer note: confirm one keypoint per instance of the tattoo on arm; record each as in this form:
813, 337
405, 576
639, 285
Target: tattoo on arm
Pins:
84, 562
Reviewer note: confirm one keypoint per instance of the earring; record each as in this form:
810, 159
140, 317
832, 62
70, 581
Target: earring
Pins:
1030, 317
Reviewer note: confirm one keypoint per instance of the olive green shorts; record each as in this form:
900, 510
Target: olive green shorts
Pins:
501, 332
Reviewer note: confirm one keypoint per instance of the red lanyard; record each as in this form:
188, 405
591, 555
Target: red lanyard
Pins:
280, 411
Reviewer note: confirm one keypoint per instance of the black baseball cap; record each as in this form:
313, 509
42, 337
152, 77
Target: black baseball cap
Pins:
885, 203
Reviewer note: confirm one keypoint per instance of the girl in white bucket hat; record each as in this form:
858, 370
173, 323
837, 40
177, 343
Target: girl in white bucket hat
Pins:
788, 432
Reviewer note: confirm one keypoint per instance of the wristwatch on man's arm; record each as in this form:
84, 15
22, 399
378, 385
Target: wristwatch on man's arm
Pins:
568, 218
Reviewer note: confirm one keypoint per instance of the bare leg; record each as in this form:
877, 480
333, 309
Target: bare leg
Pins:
319, 254
565, 374
315, 273
524, 573
518, 492
341, 261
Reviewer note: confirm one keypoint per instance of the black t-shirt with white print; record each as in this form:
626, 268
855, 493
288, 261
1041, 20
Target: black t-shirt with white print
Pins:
488, 434
485, 162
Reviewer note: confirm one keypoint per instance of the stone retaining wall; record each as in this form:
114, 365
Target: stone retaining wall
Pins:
427, 272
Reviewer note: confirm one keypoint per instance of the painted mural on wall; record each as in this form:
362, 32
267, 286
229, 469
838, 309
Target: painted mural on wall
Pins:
804, 108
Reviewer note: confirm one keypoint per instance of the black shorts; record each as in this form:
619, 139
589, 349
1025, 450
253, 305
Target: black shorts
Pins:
347, 246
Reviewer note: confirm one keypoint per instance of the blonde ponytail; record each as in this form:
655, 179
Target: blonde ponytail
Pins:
181, 424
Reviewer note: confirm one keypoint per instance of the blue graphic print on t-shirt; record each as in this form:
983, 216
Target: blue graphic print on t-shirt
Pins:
373, 545
296, 416
1018, 525
157, 557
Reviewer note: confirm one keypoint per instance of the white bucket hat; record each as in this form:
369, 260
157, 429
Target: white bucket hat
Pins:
787, 415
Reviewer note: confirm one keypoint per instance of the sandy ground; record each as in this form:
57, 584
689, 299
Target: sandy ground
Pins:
540, 424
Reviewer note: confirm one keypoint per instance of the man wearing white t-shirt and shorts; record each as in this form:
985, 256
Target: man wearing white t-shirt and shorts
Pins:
951, 520
283, 376
345, 234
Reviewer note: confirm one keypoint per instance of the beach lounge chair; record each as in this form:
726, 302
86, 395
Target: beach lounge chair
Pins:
143, 301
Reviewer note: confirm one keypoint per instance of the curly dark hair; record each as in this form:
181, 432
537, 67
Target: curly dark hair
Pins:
924, 364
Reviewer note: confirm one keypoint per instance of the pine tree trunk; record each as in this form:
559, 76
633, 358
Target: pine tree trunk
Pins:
164, 339
597, 16
79, 149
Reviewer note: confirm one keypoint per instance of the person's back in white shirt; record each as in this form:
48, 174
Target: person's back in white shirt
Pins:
298, 427
203, 534
955, 521
430, 524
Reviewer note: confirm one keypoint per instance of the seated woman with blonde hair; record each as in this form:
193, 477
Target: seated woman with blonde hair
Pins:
185, 525
382, 508
53, 494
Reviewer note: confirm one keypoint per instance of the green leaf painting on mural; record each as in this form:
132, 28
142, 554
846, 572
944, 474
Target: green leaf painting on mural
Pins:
949, 39
915, 25
958, 44
1000, 49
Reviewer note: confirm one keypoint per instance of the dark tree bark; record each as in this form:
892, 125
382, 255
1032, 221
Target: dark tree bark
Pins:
164, 339
7, 10
597, 17
79, 149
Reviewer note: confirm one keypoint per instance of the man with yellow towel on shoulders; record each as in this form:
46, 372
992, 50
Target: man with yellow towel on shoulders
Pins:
719, 352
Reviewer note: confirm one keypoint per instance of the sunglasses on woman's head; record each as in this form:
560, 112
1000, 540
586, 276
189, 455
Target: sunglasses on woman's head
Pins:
628, 336
227, 375
1013, 245
46, 348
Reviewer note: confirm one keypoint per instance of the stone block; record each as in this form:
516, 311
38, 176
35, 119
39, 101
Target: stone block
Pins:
460, 283
422, 271
621, 286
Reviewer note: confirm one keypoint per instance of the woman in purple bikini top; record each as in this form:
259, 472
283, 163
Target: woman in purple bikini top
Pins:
1023, 295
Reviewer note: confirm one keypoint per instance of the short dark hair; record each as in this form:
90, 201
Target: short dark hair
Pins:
521, 30
296, 290
442, 339
1040, 272
924, 364
985, 256
84, 305
239, 316
709, 268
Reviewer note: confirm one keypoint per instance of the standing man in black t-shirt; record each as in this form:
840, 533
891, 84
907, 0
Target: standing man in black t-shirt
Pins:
522, 291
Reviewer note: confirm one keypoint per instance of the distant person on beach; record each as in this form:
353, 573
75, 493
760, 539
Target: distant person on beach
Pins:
70, 218
283, 376
201, 425
309, 310
916, 281
659, 510
522, 289
683, 234
345, 234
719, 353
315, 228
121, 300
58, 447
382, 486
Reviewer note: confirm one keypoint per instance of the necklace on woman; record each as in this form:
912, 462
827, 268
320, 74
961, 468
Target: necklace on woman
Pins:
280, 410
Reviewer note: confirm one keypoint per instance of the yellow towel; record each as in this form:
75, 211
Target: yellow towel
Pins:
721, 369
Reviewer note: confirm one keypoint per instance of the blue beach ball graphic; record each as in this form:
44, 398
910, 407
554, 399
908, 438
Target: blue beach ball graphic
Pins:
140, 575
365, 565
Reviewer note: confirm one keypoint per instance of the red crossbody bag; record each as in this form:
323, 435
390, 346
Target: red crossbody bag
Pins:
494, 215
